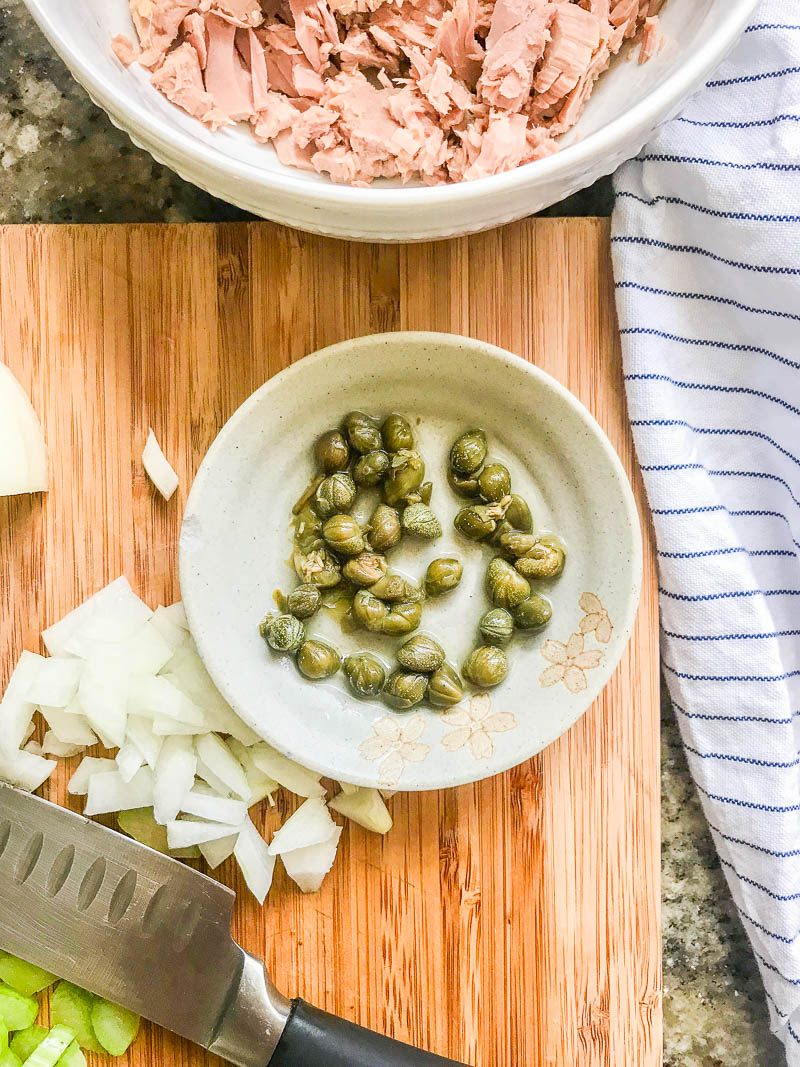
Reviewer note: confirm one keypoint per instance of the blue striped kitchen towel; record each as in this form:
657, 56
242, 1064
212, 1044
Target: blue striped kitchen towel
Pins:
706, 246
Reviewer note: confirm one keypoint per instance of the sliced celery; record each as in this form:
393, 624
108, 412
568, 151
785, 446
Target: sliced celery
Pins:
16, 1010
50, 1051
115, 1027
73, 1057
72, 1007
3, 1037
22, 976
9, 1059
26, 1041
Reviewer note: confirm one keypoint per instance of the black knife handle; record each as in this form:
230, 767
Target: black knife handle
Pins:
313, 1038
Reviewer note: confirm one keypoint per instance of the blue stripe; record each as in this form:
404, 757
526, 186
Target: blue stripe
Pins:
736, 718
732, 637
710, 297
712, 387
732, 677
771, 26
771, 999
740, 125
689, 511
719, 432
746, 216
744, 79
758, 885
748, 803
703, 342
727, 552
743, 759
765, 929
791, 1031
772, 967
731, 595
672, 468
793, 854
698, 251
662, 157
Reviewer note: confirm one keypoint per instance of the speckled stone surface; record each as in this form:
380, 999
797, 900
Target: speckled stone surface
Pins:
61, 160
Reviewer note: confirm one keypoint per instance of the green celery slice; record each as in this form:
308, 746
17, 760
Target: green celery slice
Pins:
73, 1057
16, 1010
9, 1059
51, 1049
22, 976
115, 1027
27, 1041
72, 1007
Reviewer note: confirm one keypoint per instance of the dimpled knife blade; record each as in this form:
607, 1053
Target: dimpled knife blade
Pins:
115, 917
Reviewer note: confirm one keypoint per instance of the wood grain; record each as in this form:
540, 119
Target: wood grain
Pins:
511, 922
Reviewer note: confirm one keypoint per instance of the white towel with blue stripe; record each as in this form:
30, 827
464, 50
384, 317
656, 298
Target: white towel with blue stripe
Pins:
706, 245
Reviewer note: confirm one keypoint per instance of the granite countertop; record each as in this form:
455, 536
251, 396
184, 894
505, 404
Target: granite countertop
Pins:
61, 160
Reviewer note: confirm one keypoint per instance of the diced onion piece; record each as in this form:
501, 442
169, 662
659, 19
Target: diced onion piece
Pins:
183, 833
89, 766
140, 733
286, 772
260, 785
107, 792
308, 866
176, 615
56, 682
113, 613
142, 652
216, 852
347, 788
309, 825
211, 779
103, 694
129, 760
216, 755
255, 861
214, 809
366, 807
173, 634
34, 747
69, 725
23, 453
16, 711
51, 746
163, 727
27, 770
154, 696
174, 777
158, 468
387, 794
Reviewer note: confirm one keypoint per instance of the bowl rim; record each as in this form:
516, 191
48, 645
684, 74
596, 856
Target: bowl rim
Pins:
643, 116
624, 623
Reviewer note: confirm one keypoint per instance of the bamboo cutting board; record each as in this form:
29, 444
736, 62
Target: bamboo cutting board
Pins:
512, 923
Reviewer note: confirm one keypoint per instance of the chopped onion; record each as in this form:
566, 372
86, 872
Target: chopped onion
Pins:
56, 682
366, 807
260, 785
144, 651
173, 634
155, 696
51, 746
211, 779
16, 711
33, 747
23, 453
68, 725
107, 792
216, 852
286, 772
129, 760
103, 693
174, 777
216, 755
308, 866
255, 861
113, 613
309, 825
347, 788
183, 833
214, 809
78, 785
158, 468
176, 614
140, 733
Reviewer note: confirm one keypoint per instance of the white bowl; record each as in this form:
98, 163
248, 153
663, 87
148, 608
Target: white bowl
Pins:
628, 103
235, 542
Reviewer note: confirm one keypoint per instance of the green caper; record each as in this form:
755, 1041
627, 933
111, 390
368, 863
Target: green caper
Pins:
365, 569
497, 626
344, 535
421, 653
465, 485
317, 660
307, 530
394, 586
365, 674
397, 433
532, 614
426, 492
362, 432
331, 452
402, 619
335, 494
541, 561
494, 482
518, 514
486, 666
419, 520
468, 452
303, 601
442, 575
516, 544
474, 522
384, 528
506, 586
403, 690
405, 476
284, 633
369, 611
371, 468
445, 687
317, 567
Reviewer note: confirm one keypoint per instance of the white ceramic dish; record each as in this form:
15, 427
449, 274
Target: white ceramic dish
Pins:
628, 103
235, 541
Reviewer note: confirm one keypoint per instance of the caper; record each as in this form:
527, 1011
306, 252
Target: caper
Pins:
419, 520
397, 433
486, 666
425, 492
421, 653
494, 482
365, 674
404, 690
371, 468
317, 660
384, 528
465, 485
307, 530
406, 474
394, 586
518, 514
335, 494
331, 452
532, 614
369, 611
497, 626
506, 586
317, 567
474, 523
365, 569
402, 619
442, 575
445, 687
303, 601
541, 561
468, 452
517, 544
362, 432
344, 535
284, 633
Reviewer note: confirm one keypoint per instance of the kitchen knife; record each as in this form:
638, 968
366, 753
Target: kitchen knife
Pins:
153, 935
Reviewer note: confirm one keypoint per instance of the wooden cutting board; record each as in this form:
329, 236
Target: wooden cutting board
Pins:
511, 923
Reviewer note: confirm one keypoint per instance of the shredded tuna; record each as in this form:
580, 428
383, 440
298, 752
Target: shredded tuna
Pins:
425, 90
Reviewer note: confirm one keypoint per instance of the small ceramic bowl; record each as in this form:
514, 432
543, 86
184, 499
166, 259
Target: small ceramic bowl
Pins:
235, 544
